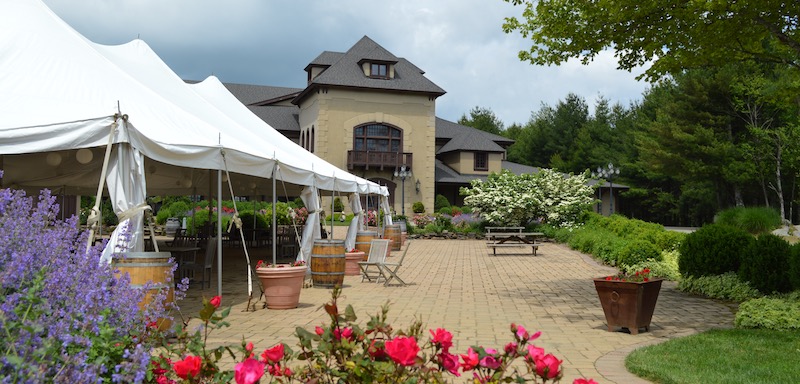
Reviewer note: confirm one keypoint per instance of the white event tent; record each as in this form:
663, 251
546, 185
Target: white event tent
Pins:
65, 100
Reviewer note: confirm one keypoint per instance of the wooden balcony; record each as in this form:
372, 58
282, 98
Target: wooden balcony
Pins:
378, 160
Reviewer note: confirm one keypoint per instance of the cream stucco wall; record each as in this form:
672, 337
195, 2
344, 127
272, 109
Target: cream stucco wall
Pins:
464, 162
335, 112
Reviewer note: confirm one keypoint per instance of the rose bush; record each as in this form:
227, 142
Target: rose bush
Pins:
344, 352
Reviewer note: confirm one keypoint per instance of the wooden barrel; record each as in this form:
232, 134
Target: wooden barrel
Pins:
327, 263
151, 270
393, 232
364, 241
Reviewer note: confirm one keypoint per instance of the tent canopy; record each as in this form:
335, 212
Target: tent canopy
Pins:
60, 93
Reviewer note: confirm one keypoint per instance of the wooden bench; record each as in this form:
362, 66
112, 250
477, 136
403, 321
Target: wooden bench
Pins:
494, 246
503, 237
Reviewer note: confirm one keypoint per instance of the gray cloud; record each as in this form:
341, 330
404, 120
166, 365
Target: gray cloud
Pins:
458, 43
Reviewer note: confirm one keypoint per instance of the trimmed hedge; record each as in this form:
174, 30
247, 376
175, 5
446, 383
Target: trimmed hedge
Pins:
794, 266
765, 264
713, 250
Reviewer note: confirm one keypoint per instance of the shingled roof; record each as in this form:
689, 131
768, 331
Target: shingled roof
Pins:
282, 118
250, 94
465, 138
343, 70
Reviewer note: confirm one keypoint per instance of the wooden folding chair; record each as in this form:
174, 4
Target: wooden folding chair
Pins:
390, 269
372, 268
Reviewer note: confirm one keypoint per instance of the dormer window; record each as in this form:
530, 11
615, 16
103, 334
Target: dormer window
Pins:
380, 71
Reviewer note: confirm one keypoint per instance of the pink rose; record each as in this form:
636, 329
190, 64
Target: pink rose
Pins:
522, 334
490, 362
403, 350
216, 301
534, 352
319, 330
346, 333
188, 367
584, 381
248, 371
470, 360
274, 354
547, 367
449, 362
511, 348
442, 338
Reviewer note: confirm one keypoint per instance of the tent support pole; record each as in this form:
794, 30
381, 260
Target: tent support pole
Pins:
219, 232
274, 216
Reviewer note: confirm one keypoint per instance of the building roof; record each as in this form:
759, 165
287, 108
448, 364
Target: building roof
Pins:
250, 94
282, 118
344, 71
465, 138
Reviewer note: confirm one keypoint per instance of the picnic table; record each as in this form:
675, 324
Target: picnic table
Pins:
502, 237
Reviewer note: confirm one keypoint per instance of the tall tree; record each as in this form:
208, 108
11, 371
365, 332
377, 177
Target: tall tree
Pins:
483, 119
672, 34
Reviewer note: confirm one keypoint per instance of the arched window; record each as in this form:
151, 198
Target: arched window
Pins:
376, 137
311, 140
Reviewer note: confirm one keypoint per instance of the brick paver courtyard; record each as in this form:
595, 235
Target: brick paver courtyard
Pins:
458, 285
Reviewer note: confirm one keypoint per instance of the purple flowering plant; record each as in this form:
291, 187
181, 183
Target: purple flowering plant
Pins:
64, 316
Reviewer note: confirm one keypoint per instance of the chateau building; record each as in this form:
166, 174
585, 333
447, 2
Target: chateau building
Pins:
374, 114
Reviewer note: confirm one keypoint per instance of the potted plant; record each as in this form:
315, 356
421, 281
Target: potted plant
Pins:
282, 283
352, 257
628, 300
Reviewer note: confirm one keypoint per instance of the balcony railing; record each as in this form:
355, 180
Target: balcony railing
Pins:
378, 160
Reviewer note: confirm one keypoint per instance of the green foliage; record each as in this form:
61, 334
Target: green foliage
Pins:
713, 250
720, 356
755, 220
600, 243
794, 266
418, 207
466, 209
445, 211
483, 119
668, 39
337, 205
782, 314
248, 220
637, 251
666, 268
727, 286
440, 202
506, 199
765, 264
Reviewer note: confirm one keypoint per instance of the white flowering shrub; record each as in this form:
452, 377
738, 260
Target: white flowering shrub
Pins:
506, 199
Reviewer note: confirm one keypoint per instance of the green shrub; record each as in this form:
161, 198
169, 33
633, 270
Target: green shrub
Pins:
440, 202
442, 221
666, 268
337, 205
446, 211
713, 250
755, 220
637, 251
765, 264
418, 207
727, 286
179, 209
770, 313
794, 266
455, 211
260, 220
466, 209
433, 228
162, 216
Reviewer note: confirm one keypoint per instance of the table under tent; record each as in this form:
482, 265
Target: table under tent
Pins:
77, 117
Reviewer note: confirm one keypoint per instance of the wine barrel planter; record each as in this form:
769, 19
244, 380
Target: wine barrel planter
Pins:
364, 241
393, 233
327, 263
151, 271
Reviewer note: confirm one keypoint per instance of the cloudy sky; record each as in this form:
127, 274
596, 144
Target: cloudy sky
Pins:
458, 43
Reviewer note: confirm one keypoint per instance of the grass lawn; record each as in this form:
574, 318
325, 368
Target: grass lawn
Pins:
721, 356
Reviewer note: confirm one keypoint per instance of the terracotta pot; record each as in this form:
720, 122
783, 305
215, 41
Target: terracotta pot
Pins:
628, 304
351, 263
282, 285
